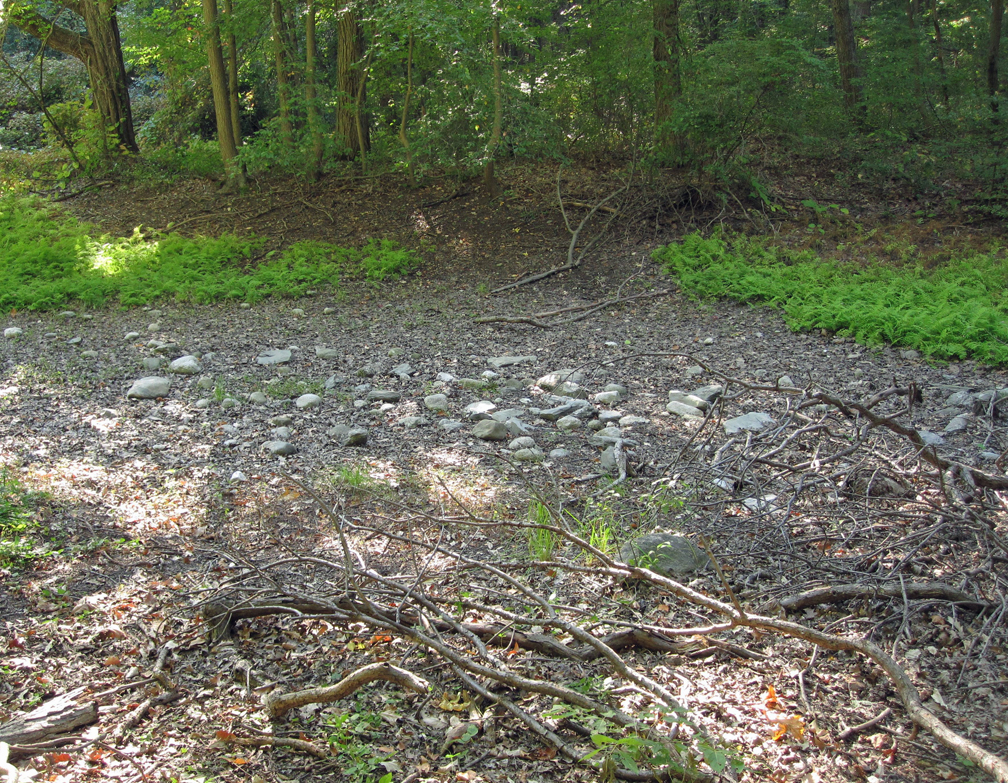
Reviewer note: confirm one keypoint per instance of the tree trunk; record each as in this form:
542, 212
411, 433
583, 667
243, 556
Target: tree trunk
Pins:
939, 49
667, 76
222, 103
489, 179
348, 81
850, 70
314, 121
993, 53
403, 135
232, 69
283, 82
100, 49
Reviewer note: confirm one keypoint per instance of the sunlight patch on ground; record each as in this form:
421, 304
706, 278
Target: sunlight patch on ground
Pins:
452, 478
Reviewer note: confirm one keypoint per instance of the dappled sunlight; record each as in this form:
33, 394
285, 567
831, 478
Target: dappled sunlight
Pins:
458, 482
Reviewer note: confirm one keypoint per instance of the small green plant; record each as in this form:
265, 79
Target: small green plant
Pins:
542, 542
351, 737
19, 531
597, 525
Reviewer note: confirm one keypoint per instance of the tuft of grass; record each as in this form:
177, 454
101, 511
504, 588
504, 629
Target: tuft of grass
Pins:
955, 311
49, 260
542, 543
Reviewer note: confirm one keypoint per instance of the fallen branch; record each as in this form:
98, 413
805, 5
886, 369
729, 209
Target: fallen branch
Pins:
279, 703
59, 715
852, 731
264, 742
835, 594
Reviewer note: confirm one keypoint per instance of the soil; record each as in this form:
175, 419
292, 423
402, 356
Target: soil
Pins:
150, 527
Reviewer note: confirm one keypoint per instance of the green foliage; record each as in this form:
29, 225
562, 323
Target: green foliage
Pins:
48, 260
542, 543
19, 532
352, 736
952, 312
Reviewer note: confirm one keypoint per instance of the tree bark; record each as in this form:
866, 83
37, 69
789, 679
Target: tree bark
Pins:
489, 178
666, 53
940, 51
993, 53
403, 135
314, 120
232, 69
350, 46
100, 49
850, 70
222, 102
283, 81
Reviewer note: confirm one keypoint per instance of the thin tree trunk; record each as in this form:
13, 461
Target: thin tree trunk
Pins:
403, 135
913, 11
349, 50
360, 119
939, 48
667, 74
314, 120
993, 53
283, 82
489, 179
232, 68
850, 70
222, 104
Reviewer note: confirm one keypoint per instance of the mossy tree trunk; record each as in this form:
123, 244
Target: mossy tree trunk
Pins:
850, 70
311, 101
221, 99
666, 53
349, 81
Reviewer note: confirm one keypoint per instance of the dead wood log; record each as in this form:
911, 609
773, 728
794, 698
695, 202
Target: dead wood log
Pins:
834, 594
279, 703
9, 770
59, 715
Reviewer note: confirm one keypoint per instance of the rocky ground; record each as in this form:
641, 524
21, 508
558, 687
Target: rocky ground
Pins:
404, 406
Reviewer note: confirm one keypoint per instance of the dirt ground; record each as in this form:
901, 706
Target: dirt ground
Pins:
153, 532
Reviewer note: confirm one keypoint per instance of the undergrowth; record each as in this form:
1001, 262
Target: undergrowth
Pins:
955, 311
50, 260
19, 541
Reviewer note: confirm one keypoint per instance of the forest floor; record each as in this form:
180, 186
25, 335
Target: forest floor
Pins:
153, 527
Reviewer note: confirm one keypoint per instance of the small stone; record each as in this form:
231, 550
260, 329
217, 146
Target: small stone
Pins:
619, 388
154, 313
708, 341
785, 380
507, 413
633, 421
688, 399
489, 375
709, 393
202, 403
960, 399
550, 381
228, 403
595, 425
280, 448
524, 442
580, 408
238, 477
297, 312
694, 371
436, 402
910, 354
186, 365
130, 336
245, 306
472, 383
50, 335
559, 453
206, 382
369, 370
153, 327
450, 425
395, 352
569, 423
931, 438
607, 398
412, 422
664, 553
527, 455
149, 388
403, 371
86, 316
258, 397
281, 433
335, 380
608, 461
328, 311
74, 341
273, 356
488, 429
68, 314
475, 411
570, 389
445, 377
684, 410
13, 331
306, 401
957, 424
326, 353
751, 422
516, 427
858, 373
89, 354
609, 417
378, 395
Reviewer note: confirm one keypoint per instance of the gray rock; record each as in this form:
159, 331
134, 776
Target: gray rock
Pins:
237, 477
153, 327
957, 424
335, 380
450, 425
595, 425
229, 403
328, 310
281, 433
130, 336
369, 370
152, 363
633, 421
688, 399
326, 353
516, 427
751, 422
186, 365
608, 462
297, 312
444, 377
911, 354
989, 456
489, 375
471, 383
348, 436
607, 397
570, 389
709, 393
258, 398
280, 448
245, 306
403, 371
395, 352
931, 438
513, 384
524, 442
68, 314
507, 413
569, 423
551, 380
206, 382
203, 403
785, 380
684, 410
666, 554
499, 362
89, 354
412, 422
306, 401
559, 453
488, 429
708, 341
609, 417
568, 408
527, 455
694, 371
960, 399
477, 411
274, 356
996, 395
436, 402
282, 421
619, 388
149, 388
74, 341
380, 395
